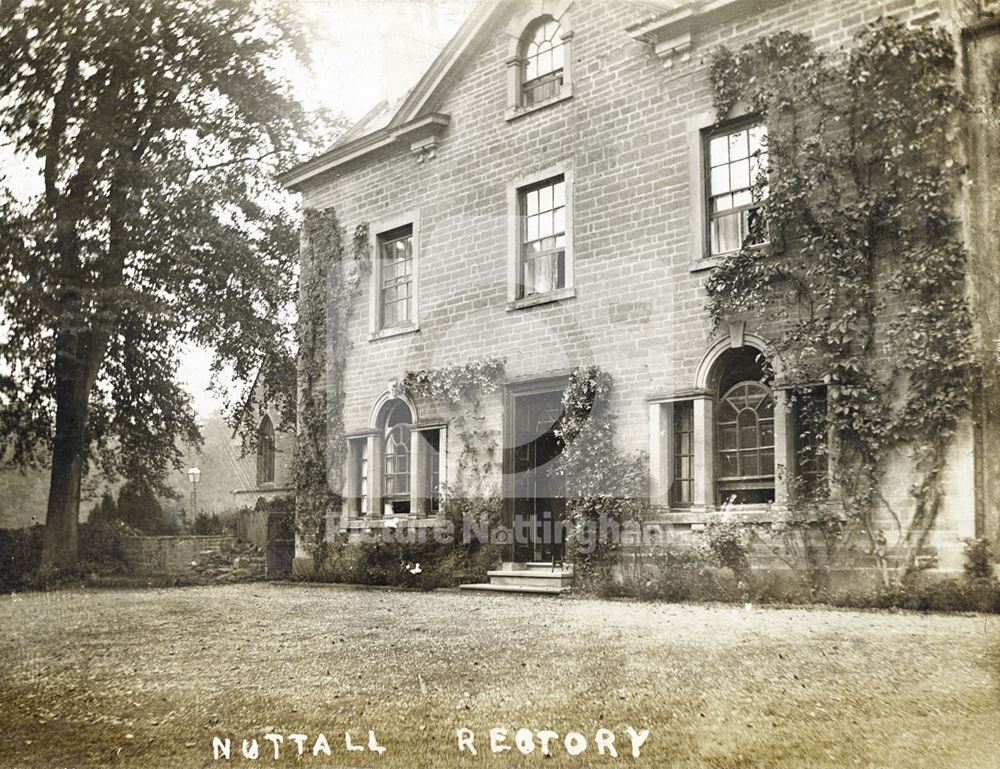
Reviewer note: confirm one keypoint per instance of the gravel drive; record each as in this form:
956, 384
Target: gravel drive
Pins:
147, 678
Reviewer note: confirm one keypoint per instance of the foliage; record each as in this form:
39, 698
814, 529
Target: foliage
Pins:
603, 486
204, 523
104, 511
158, 131
327, 291
139, 509
464, 384
458, 383
862, 286
978, 559
726, 543
424, 557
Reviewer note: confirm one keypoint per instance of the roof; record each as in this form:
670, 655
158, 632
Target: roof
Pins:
412, 118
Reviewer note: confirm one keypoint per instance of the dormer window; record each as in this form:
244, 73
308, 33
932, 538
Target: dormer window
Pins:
543, 57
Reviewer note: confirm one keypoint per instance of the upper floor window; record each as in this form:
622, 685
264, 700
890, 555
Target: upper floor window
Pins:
543, 56
737, 167
265, 451
542, 265
396, 277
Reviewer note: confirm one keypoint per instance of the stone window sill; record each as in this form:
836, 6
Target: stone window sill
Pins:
714, 260
537, 299
513, 113
385, 333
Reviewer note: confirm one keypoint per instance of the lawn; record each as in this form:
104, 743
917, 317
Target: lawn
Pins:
147, 678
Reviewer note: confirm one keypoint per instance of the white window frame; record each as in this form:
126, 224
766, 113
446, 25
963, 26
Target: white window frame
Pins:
375, 233
514, 239
698, 128
516, 31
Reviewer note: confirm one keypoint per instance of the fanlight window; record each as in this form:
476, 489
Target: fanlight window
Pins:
543, 57
396, 479
746, 443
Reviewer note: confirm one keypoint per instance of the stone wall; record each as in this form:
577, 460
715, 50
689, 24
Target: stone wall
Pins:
171, 555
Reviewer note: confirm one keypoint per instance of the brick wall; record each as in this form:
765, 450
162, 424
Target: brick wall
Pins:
639, 307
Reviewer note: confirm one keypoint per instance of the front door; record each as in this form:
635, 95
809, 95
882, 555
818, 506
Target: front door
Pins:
538, 499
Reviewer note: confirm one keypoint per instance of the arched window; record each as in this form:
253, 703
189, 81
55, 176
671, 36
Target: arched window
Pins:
396, 427
745, 430
543, 56
265, 451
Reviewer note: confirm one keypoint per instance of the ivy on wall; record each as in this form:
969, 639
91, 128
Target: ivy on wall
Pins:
862, 285
327, 291
464, 384
604, 487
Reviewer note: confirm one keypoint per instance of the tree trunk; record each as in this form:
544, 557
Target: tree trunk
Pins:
59, 541
77, 364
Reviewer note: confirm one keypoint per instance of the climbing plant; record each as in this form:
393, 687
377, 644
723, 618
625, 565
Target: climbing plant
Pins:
862, 284
605, 487
327, 291
461, 387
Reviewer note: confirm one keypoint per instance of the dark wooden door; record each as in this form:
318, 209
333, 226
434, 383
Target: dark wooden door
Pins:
538, 503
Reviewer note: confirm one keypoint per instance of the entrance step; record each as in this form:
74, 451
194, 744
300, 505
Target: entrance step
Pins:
491, 588
526, 578
532, 577
546, 566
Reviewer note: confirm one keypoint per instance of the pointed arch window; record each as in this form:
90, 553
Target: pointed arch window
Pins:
265, 451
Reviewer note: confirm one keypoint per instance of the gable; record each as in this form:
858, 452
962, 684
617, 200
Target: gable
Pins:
414, 120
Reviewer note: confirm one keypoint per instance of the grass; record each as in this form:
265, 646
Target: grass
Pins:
146, 678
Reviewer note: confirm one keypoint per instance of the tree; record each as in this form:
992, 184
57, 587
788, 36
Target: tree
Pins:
158, 126
138, 508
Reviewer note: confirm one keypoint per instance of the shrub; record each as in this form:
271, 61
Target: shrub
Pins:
207, 524
978, 559
20, 556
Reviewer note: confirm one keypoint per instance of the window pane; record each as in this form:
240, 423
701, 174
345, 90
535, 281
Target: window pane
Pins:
727, 437
545, 224
725, 234
545, 199
758, 138
739, 174
742, 198
559, 223
728, 469
559, 194
720, 180
718, 151
738, 145
557, 57
532, 228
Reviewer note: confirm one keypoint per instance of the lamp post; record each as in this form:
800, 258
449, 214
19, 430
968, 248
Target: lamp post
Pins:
194, 475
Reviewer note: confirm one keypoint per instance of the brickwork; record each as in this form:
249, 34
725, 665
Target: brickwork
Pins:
626, 134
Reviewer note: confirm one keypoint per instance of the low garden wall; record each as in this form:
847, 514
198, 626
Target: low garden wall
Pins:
169, 554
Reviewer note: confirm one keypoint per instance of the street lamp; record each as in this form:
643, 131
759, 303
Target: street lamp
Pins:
194, 475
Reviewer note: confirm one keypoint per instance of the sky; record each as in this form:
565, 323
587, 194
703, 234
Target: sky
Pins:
363, 51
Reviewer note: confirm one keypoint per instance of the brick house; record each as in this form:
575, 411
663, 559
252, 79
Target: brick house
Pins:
554, 191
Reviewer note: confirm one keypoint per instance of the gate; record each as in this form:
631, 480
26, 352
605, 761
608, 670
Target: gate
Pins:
280, 544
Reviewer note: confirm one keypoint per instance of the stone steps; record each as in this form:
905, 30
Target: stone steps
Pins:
539, 578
